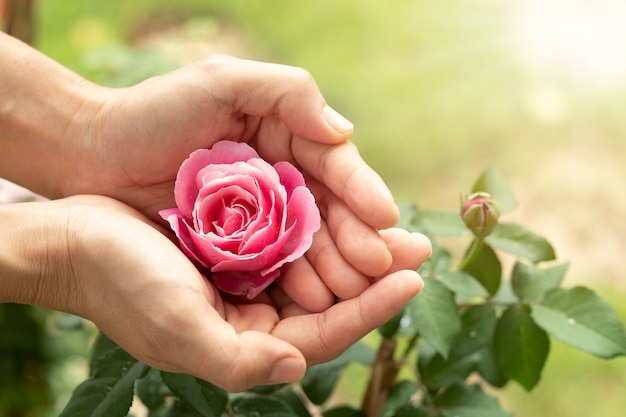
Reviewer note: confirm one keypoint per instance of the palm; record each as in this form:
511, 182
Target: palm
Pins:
168, 315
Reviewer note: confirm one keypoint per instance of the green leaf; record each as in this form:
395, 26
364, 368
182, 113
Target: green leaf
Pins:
69, 322
521, 347
519, 241
203, 397
580, 318
483, 264
488, 368
505, 294
531, 282
109, 390
462, 400
435, 315
106, 395
464, 286
413, 410
343, 411
295, 402
440, 260
407, 214
151, 390
320, 380
107, 357
492, 182
266, 389
389, 329
399, 395
478, 326
440, 223
438, 372
260, 406
179, 409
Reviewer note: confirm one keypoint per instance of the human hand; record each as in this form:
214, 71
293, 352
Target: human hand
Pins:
113, 266
139, 137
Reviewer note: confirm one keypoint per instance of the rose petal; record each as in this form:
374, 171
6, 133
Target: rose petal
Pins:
290, 177
263, 170
183, 232
248, 283
186, 188
301, 230
209, 204
255, 261
211, 249
266, 228
222, 152
305, 217
228, 152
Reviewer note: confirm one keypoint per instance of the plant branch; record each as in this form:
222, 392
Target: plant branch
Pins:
382, 379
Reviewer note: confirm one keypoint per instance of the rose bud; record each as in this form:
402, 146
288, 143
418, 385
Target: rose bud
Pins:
240, 217
480, 212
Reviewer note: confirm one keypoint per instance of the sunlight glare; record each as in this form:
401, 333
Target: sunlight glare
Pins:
584, 40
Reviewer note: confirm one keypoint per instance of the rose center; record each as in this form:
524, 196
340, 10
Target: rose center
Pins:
234, 217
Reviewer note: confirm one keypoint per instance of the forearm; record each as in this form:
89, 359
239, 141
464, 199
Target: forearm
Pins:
44, 107
34, 257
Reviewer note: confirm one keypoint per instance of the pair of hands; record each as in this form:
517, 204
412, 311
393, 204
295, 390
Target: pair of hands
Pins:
126, 275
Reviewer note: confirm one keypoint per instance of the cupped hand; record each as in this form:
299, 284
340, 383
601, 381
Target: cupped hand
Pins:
138, 138
140, 290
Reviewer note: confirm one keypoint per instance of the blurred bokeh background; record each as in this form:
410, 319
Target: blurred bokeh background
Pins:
437, 89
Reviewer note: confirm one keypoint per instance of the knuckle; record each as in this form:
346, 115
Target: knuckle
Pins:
301, 76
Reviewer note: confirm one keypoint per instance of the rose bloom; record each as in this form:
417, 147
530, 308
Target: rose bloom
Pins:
241, 217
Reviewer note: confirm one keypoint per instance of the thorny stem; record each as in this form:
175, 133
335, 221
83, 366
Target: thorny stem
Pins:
382, 378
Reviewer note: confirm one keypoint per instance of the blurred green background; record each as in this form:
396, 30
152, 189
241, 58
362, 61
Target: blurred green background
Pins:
437, 89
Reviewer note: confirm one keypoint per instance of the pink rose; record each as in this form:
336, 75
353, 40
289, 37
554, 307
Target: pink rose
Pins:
241, 217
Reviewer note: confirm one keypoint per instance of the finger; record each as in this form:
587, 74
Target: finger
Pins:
211, 349
253, 358
359, 243
302, 284
408, 250
291, 310
264, 89
343, 171
323, 336
242, 353
285, 306
337, 271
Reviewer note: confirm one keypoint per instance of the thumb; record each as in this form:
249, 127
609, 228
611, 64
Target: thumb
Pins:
238, 361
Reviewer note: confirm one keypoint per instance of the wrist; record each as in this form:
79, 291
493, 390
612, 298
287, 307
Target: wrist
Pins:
35, 259
44, 110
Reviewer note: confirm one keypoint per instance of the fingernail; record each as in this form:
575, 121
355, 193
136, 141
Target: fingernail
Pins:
287, 370
337, 121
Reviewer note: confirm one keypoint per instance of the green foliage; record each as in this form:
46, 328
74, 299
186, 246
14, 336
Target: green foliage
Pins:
23, 362
110, 389
579, 317
473, 319
521, 347
435, 315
